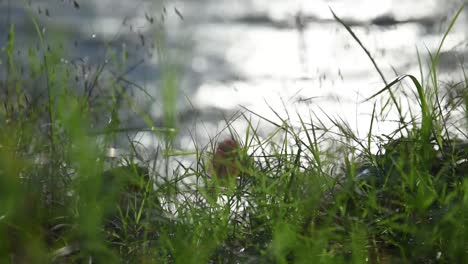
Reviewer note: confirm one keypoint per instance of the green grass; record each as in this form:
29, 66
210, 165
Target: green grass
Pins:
304, 194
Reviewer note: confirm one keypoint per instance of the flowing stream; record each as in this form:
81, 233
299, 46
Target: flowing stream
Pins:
290, 58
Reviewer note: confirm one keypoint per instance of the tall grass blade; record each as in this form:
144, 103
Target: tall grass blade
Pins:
348, 28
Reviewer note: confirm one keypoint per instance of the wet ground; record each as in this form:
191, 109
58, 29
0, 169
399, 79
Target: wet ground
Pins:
262, 55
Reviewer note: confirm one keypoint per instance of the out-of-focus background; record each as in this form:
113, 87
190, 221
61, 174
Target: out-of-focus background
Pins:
263, 55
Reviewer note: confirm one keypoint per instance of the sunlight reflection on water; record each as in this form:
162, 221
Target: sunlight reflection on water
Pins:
269, 59
269, 54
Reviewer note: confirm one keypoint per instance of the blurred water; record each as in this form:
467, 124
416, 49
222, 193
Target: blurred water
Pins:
289, 56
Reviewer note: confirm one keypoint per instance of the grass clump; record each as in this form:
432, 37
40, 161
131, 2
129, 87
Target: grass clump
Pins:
298, 195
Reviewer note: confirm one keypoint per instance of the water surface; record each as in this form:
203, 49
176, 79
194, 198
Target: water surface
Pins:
288, 56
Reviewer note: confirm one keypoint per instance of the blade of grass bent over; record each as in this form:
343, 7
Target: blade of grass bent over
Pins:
360, 44
426, 122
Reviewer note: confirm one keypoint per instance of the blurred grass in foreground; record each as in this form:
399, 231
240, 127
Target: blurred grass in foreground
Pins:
294, 200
